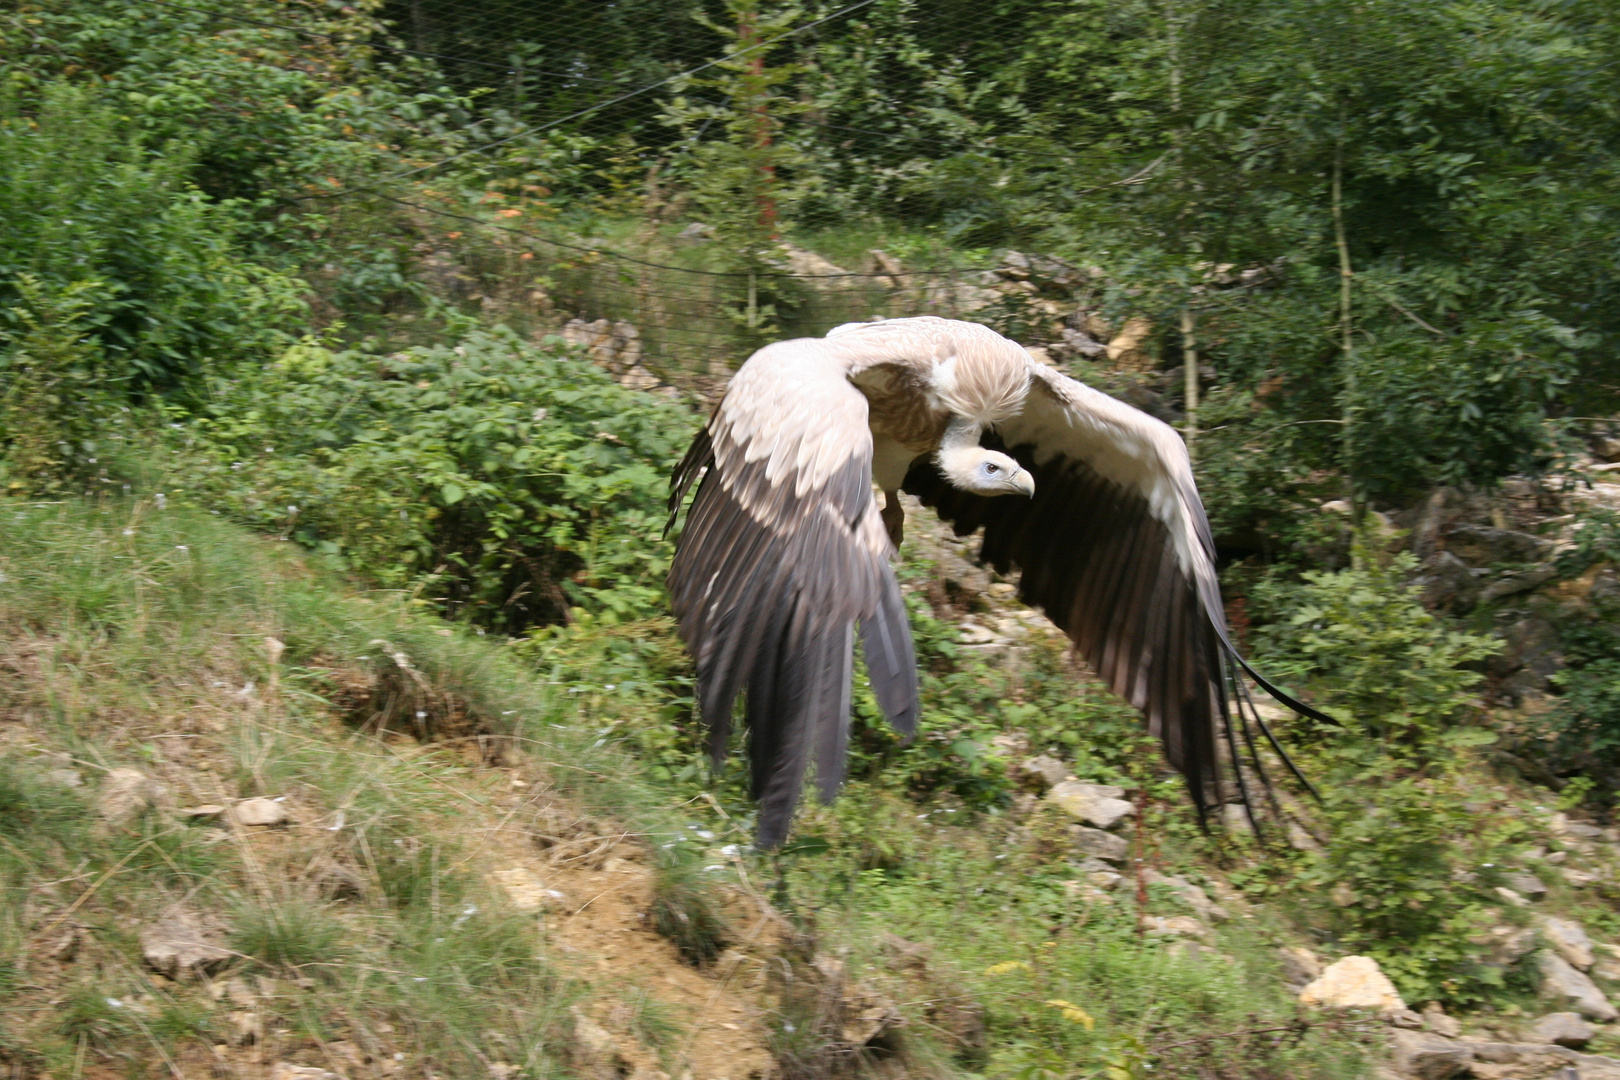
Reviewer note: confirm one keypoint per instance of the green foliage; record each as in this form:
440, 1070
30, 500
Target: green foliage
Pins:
1411, 851
507, 482
111, 232
1376, 658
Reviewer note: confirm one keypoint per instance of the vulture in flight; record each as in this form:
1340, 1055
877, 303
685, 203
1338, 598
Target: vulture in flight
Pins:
786, 554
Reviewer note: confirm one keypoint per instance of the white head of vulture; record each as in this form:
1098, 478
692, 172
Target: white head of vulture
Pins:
786, 554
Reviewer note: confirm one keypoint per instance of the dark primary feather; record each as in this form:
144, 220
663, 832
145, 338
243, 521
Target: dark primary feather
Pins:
769, 610
1104, 569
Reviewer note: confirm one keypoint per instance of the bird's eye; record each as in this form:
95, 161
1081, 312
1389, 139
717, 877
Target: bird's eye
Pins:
991, 468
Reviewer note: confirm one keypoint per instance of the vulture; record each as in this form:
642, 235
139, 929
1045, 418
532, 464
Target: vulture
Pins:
786, 554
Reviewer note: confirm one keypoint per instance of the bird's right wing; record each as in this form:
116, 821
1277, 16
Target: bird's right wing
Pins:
782, 557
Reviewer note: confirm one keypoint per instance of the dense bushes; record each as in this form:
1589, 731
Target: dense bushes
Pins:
87, 201
504, 481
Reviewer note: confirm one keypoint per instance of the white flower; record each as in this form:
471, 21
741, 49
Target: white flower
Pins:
181, 548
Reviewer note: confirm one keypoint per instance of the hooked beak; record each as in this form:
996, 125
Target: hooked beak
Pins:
1025, 482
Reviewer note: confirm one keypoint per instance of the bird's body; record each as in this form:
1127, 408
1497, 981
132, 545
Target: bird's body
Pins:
786, 551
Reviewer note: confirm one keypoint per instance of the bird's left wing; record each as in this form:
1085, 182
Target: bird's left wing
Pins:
1115, 548
783, 556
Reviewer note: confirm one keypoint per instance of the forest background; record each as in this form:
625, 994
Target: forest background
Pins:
338, 272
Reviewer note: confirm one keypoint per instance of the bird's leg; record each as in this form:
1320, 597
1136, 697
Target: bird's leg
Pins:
894, 517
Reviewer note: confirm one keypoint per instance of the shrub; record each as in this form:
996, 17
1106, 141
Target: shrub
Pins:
1412, 850
84, 200
503, 481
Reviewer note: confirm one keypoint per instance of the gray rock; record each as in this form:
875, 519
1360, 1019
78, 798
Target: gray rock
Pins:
1300, 966
1562, 1028
1481, 545
178, 946
1568, 939
1406, 1018
263, 812
1436, 1020
1427, 1056
1190, 894
1447, 583
1563, 983
1099, 844
1526, 885
1513, 582
1530, 655
1506, 945
1355, 982
1579, 879
1095, 804
65, 777
1606, 964
1042, 771
126, 794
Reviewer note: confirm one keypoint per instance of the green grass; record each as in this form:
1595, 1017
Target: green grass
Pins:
225, 666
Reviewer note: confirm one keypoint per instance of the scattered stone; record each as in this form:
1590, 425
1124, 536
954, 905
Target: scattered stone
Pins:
526, 890
1448, 583
178, 946
863, 1012
1436, 1020
1482, 545
1407, 1019
698, 232
1513, 582
1178, 926
1579, 879
1606, 963
971, 633
246, 1028
1190, 894
906, 954
1300, 967
126, 794
1356, 982
1561, 982
1183, 949
1527, 885
1094, 804
1099, 844
259, 812
1505, 945
65, 777
1562, 1028
1042, 771
206, 810
1511, 897
1342, 895
1568, 939
286, 1070
1427, 1056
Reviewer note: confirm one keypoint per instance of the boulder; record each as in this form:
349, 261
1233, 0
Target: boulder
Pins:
1562, 1028
1356, 982
1562, 983
1099, 844
126, 794
178, 946
1482, 545
1427, 1056
1100, 805
1447, 583
1568, 939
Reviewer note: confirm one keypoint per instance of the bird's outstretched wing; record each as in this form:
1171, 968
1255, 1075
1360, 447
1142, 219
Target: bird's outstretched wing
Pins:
1115, 548
783, 556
